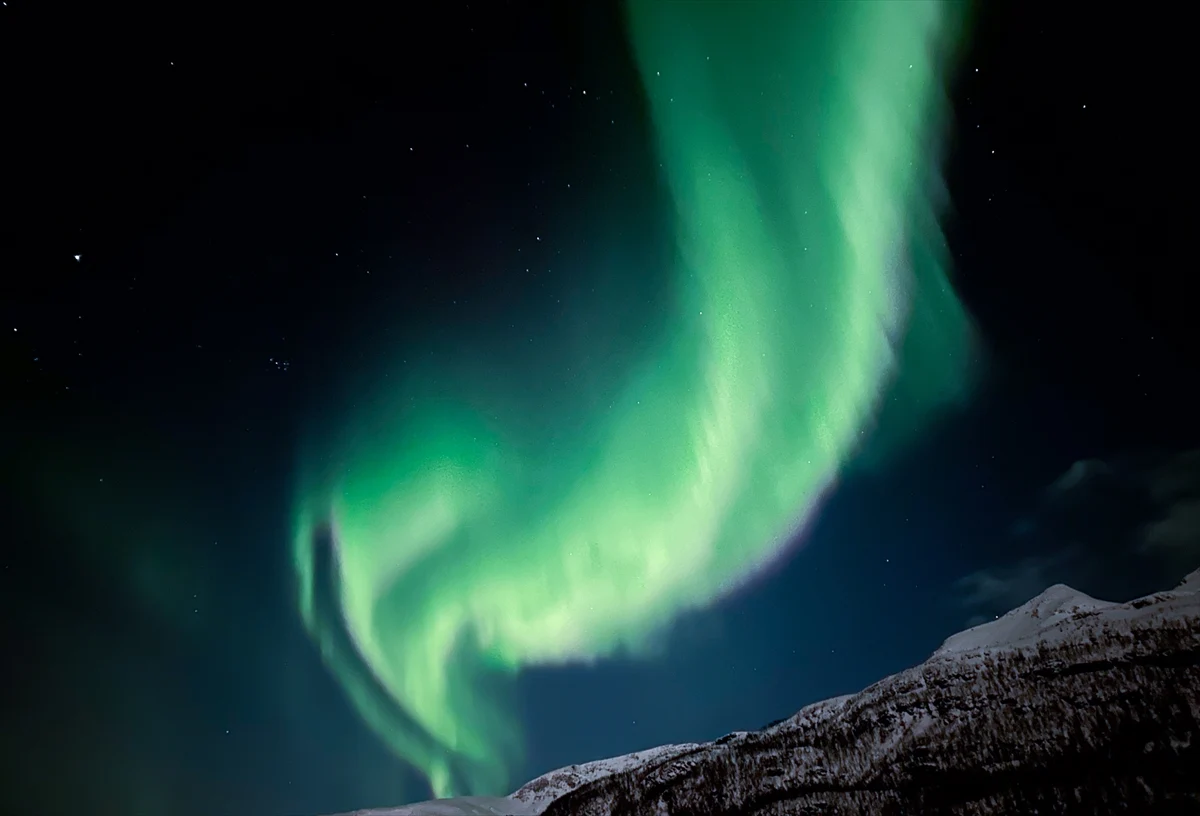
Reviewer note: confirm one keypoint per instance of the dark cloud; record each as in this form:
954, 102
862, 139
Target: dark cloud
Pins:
1114, 529
1009, 585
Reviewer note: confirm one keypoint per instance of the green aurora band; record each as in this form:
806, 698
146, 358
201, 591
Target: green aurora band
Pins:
438, 548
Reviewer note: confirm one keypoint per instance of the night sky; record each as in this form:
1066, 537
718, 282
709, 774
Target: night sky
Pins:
223, 236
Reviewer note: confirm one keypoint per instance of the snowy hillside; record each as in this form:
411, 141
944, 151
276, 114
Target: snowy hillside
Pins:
461, 806
540, 792
1065, 703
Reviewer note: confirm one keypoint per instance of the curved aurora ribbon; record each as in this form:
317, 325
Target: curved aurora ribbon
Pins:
436, 544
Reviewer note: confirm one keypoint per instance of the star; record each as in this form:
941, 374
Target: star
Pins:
77, 257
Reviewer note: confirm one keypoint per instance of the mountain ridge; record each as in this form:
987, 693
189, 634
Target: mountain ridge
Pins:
1065, 703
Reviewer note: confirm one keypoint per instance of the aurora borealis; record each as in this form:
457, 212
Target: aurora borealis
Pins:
309, 263
448, 535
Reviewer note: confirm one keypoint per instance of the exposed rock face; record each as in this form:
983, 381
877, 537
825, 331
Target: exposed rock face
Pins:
1065, 704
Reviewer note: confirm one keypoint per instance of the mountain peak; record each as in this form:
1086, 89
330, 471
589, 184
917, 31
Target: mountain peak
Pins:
1055, 608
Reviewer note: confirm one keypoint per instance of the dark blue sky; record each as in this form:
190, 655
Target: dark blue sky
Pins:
208, 176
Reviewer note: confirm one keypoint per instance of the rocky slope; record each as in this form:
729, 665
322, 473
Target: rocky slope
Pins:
1065, 704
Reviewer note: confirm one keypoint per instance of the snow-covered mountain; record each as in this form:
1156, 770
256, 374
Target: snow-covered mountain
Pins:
1066, 703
